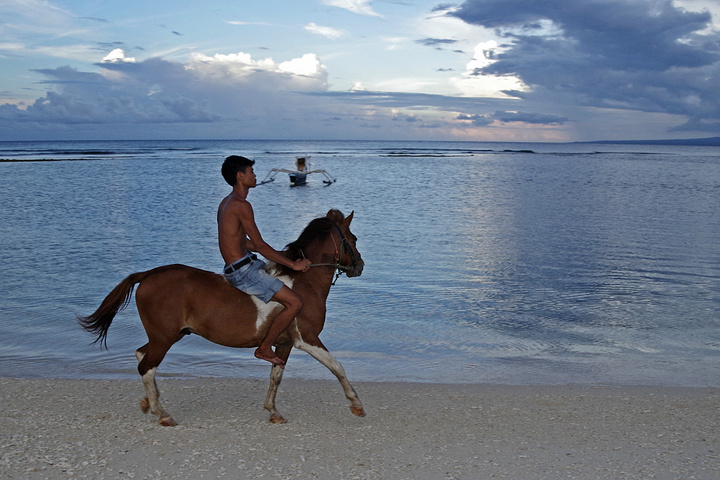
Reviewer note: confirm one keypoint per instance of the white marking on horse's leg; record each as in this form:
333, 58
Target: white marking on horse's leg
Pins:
276, 375
151, 391
275, 378
326, 358
153, 397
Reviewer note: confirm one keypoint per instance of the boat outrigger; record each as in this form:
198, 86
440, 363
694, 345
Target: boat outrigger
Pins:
299, 176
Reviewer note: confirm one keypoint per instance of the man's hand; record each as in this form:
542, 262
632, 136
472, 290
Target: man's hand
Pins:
302, 265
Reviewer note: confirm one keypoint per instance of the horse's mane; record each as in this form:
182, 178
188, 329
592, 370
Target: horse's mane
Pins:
317, 228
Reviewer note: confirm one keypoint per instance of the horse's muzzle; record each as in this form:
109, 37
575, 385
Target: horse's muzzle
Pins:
355, 270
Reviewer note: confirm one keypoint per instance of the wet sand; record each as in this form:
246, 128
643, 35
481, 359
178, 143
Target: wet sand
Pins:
59, 429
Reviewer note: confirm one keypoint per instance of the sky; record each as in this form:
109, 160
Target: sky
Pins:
478, 70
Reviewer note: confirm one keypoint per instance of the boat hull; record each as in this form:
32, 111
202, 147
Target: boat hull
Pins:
297, 179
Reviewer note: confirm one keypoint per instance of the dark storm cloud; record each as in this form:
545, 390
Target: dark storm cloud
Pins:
643, 55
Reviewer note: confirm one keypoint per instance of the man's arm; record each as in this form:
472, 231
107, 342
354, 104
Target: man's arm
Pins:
257, 244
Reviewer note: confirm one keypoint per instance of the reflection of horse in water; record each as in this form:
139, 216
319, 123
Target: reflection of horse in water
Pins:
177, 300
298, 176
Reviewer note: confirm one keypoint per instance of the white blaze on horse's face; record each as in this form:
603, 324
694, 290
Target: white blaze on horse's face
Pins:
265, 309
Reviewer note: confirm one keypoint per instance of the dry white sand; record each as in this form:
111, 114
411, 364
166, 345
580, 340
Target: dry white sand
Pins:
60, 429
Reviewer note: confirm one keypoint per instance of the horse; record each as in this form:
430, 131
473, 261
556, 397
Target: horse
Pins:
177, 300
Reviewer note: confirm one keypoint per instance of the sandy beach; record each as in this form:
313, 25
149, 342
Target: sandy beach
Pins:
59, 429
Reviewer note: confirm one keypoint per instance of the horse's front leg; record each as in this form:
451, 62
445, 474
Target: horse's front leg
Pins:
276, 373
318, 351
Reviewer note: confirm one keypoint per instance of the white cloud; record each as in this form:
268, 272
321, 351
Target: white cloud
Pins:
238, 22
230, 65
11, 46
34, 15
361, 7
117, 55
474, 83
394, 43
327, 32
306, 73
484, 54
309, 66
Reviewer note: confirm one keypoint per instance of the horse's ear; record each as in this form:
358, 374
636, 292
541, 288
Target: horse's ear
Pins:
335, 215
349, 219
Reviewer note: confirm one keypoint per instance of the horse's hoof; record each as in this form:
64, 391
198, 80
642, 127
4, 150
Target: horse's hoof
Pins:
357, 411
167, 422
145, 405
277, 418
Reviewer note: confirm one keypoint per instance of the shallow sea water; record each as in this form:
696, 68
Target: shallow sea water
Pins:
485, 263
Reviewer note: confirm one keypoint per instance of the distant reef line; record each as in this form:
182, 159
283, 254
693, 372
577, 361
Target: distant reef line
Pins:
699, 142
22, 160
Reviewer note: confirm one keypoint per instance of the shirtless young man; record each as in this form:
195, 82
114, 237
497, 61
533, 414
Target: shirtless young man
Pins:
238, 235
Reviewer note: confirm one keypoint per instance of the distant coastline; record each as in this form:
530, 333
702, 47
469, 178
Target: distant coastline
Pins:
699, 142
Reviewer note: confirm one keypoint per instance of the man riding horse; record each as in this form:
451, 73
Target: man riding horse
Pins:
238, 235
178, 300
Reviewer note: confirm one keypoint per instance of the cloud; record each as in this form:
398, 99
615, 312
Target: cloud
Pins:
327, 32
205, 89
645, 55
306, 73
308, 66
241, 23
117, 55
510, 117
436, 42
358, 87
85, 97
477, 120
39, 16
226, 96
361, 7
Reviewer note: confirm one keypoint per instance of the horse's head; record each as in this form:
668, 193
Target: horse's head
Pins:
349, 259
329, 239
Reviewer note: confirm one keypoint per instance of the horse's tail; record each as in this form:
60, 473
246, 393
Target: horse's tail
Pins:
99, 322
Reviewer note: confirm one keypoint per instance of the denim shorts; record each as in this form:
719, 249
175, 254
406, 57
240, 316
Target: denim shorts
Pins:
254, 280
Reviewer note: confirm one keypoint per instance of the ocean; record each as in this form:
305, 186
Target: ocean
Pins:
493, 263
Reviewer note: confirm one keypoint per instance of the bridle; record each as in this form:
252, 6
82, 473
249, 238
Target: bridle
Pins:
339, 252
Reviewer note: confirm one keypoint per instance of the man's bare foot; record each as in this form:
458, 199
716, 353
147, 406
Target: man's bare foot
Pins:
270, 357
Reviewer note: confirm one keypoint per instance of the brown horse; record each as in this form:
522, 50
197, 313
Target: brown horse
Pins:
177, 300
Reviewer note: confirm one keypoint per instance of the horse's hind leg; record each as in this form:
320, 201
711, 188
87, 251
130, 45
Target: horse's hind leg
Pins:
318, 351
149, 357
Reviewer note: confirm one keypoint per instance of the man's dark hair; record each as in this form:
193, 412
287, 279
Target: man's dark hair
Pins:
234, 164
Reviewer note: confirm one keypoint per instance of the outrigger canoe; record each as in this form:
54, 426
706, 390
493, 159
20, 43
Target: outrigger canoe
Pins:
298, 177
